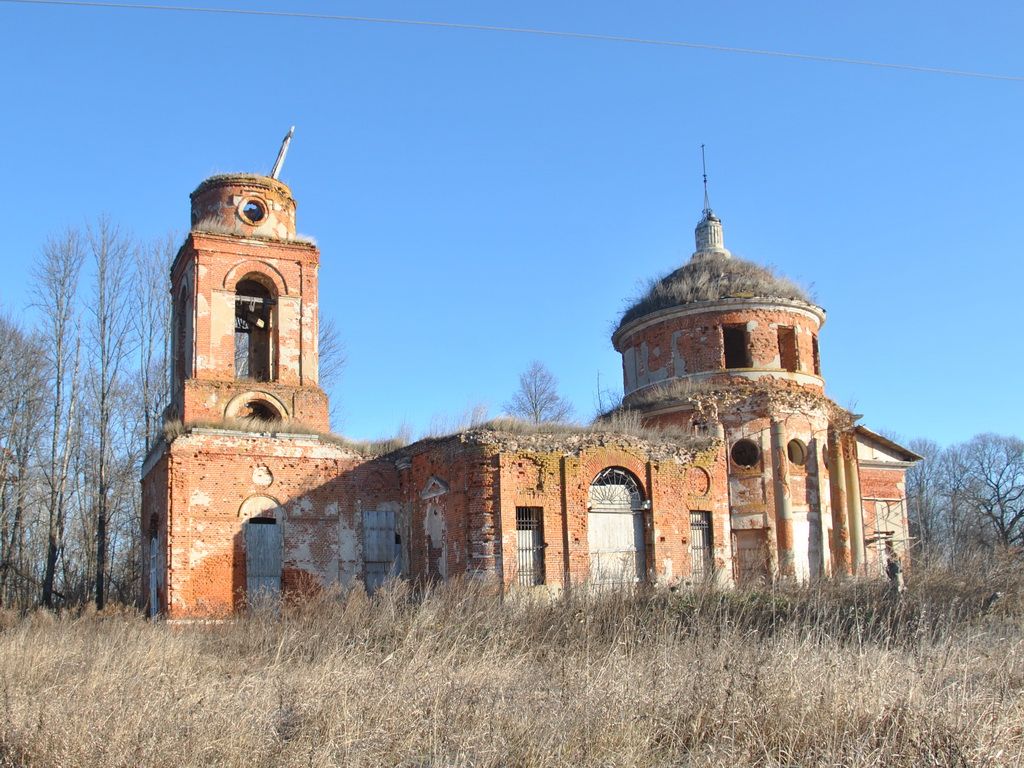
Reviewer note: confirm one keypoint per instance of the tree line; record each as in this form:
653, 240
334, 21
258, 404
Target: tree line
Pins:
82, 390
966, 498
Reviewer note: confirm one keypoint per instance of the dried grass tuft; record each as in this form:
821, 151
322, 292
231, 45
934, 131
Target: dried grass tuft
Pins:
214, 225
675, 390
255, 426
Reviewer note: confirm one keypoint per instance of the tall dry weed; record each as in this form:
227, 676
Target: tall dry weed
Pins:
835, 674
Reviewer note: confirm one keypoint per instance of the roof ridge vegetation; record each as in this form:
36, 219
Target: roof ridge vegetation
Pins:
710, 278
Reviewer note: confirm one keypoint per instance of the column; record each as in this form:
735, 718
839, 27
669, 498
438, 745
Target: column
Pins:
837, 482
855, 509
783, 500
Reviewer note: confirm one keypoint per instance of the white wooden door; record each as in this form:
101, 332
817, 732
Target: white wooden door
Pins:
615, 530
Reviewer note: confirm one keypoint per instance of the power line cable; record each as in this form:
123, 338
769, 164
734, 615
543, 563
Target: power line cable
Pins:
530, 31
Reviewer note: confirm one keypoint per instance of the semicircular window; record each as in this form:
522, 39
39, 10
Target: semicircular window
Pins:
261, 411
616, 486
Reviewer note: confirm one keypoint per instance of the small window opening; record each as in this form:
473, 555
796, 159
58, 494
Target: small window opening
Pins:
261, 521
797, 452
815, 356
702, 562
180, 357
253, 318
253, 211
788, 355
737, 349
259, 410
745, 453
530, 545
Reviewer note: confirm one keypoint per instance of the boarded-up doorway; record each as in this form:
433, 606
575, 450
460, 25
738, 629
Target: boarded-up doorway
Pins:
750, 552
382, 547
263, 549
615, 529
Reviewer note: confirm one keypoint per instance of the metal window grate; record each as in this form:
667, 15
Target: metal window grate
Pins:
530, 545
701, 545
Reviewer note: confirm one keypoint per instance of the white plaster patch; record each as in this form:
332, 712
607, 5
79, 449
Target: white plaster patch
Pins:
434, 527
435, 487
262, 476
350, 555
199, 498
302, 507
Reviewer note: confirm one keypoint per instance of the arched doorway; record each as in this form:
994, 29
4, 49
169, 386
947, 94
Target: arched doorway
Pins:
615, 528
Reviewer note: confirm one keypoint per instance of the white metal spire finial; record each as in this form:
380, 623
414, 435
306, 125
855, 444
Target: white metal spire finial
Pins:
281, 153
708, 233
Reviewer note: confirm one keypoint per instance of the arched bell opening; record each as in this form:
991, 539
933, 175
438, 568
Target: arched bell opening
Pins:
255, 329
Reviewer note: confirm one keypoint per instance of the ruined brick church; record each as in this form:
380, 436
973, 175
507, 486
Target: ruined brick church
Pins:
760, 477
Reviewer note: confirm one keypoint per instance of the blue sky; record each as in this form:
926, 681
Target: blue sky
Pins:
485, 199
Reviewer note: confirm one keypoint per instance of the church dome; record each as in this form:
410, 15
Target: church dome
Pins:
712, 274
710, 278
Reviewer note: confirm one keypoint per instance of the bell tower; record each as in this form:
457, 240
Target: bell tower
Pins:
245, 317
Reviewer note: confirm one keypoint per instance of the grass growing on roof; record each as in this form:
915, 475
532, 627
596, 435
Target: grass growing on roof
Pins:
710, 278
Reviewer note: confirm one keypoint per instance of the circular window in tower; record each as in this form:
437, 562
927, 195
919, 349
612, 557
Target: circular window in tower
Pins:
745, 453
253, 211
797, 452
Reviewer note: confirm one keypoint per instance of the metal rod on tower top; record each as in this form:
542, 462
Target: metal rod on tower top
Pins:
704, 168
281, 153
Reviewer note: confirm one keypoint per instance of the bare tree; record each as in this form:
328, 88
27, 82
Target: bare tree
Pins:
995, 486
110, 312
151, 320
924, 497
331, 351
54, 290
22, 400
537, 398
963, 536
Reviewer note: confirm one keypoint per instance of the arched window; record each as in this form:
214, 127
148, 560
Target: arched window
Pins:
181, 357
254, 331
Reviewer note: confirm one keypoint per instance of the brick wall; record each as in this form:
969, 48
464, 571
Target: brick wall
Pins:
677, 345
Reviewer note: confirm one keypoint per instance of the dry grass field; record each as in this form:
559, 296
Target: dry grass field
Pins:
837, 675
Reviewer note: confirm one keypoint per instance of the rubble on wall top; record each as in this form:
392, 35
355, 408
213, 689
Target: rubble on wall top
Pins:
249, 179
570, 439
